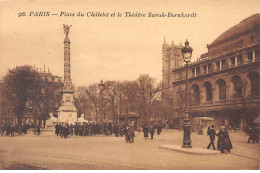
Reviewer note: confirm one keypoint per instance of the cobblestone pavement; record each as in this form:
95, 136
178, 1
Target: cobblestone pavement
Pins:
48, 151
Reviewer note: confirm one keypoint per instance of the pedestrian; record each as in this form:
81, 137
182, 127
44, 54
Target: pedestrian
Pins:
62, 130
145, 130
71, 129
131, 132
57, 129
220, 142
66, 130
159, 129
76, 129
151, 130
228, 144
110, 127
251, 135
212, 134
16, 128
84, 129
12, 130
167, 125
8, 129
200, 132
127, 137
1, 130
38, 129
224, 142
116, 129
256, 133
208, 131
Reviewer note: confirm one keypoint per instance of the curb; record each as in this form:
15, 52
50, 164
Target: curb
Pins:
193, 151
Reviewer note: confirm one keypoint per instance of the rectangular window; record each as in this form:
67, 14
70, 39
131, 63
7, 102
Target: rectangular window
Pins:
198, 70
218, 65
193, 72
239, 59
209, 67
204, 69
249, 56
224, 63
257, 54
232, 61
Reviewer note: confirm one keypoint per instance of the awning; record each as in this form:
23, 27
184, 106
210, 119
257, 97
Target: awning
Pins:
130, 115
204, 118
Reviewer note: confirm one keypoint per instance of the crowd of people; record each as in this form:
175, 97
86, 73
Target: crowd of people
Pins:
89, 129
10, 129
92, 129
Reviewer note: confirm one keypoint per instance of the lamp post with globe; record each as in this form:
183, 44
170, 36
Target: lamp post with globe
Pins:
186, 54
101, 87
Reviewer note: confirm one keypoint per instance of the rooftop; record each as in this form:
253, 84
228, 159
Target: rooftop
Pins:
252, 22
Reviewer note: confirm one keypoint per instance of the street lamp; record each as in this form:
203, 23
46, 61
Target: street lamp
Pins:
101, 87
186, 54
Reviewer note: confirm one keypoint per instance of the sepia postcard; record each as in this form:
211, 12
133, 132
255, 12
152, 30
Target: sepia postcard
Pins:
129, 85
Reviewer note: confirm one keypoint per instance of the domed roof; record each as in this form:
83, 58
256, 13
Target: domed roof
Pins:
252, 22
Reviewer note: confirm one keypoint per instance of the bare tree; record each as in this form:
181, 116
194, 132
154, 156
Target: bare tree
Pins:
93, 94
83, 99
110, 93
146, 93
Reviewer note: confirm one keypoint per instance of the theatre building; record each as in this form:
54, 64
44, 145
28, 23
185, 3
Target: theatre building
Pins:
225, 82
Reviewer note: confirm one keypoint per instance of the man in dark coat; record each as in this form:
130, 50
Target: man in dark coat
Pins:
76, 129
84, 129
12, 130
116, 130
145, 130
131, 132
57, 127
8, 128
71, 129
159, 129
212, 134
66, 130
38, 129
62, 130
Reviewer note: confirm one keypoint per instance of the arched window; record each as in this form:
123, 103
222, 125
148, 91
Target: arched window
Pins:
195, 94
237, 86
255, 83
208, 89
222, 89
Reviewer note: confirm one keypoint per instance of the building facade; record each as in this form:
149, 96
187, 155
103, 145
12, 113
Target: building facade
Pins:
225, 82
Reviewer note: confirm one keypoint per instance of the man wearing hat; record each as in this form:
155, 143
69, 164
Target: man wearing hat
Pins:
131, 132
212, 134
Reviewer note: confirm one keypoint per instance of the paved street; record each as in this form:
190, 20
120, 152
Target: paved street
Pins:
47, 151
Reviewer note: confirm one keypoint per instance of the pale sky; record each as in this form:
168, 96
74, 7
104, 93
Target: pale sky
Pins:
111, 48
